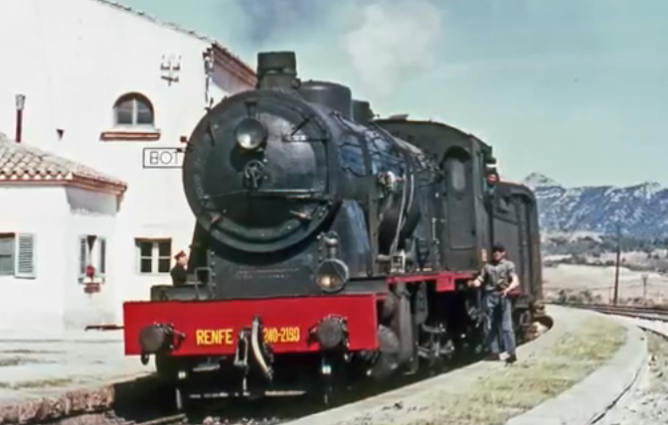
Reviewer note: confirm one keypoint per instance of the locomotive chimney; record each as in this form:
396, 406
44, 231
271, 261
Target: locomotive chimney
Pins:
362, 112
276, 70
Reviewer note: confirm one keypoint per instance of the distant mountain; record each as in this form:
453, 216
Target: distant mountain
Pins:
642, 210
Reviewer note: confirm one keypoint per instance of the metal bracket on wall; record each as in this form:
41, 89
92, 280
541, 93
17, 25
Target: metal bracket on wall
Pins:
170, 65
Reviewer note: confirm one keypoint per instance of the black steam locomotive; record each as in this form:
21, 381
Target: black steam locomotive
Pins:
329, 246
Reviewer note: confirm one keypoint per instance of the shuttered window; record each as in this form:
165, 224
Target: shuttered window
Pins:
7, 245
17, 255
92, 252
25, 258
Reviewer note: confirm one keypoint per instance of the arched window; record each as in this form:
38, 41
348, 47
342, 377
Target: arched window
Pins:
133, 110
457, 171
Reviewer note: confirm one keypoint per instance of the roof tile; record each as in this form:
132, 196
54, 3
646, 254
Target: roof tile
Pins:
19, 162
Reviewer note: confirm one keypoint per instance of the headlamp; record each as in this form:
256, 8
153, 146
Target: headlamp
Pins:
250, 134
332, 275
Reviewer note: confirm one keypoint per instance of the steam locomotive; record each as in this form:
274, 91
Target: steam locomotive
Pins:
329, 246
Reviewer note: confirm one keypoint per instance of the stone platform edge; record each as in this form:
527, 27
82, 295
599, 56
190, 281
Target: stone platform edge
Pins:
590, 399
60, 403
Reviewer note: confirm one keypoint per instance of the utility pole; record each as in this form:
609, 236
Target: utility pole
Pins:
645, 277
20, 105
619, 255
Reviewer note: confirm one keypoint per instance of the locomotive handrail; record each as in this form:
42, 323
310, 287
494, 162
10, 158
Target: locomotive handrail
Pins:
306, 194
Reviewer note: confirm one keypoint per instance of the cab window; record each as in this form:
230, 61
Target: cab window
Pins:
457, 174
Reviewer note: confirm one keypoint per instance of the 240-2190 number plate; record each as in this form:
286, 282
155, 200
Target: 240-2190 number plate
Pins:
282, 335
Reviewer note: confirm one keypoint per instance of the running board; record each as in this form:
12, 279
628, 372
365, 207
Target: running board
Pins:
206, 367
274, 393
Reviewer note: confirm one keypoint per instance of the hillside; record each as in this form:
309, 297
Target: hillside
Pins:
579, 225
640, 209
579, 241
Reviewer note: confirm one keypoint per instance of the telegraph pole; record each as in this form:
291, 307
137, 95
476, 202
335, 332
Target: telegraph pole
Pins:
619, 255
645, 277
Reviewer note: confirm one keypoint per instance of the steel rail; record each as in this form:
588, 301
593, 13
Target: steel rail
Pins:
165, 420
641, 312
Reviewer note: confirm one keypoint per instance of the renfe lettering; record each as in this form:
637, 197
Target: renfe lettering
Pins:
214, 336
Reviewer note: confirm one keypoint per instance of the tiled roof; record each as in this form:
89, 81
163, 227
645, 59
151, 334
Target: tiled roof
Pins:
247, 68
21, 163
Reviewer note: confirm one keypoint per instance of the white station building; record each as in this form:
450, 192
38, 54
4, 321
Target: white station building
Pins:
100, 98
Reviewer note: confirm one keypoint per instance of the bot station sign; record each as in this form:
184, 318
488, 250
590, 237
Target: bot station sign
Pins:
163, 157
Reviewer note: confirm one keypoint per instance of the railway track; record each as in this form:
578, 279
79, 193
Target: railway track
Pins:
639, 312
265, 411
653, 321
211, 411
165, 420
150, 407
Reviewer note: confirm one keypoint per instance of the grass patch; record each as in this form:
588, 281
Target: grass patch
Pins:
532, 381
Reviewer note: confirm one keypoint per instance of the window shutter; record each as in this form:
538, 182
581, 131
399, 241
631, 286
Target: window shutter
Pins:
25, 256
83, 256
102, 258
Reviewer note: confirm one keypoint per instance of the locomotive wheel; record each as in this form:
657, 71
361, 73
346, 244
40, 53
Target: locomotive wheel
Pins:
413, 365
403, 324
181, 397
178, 398
388, 358
523, 325
332, 395
330, 387
328, 392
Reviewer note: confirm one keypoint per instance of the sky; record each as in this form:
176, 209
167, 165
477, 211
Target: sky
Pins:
574, 89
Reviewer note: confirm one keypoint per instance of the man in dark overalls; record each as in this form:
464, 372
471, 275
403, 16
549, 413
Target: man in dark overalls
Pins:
497, 279
179, 273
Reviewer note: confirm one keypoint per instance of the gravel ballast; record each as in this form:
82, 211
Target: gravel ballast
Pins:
646, 404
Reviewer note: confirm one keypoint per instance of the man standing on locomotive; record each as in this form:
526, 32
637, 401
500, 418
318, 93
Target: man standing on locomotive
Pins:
498, 278
179, 273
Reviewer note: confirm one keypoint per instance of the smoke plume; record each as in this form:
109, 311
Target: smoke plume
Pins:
393, 40
369, 45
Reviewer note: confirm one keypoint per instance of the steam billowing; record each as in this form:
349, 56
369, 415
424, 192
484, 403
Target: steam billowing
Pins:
391, 41
374, 43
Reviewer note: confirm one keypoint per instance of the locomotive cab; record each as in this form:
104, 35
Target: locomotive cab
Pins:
464, 191
479, 209
516, 224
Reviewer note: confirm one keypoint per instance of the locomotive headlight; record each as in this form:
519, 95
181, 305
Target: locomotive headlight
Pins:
250, 134
332, 275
